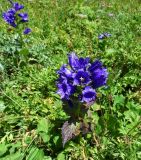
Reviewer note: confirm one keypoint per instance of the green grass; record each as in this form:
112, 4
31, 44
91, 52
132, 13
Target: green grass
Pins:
31, 113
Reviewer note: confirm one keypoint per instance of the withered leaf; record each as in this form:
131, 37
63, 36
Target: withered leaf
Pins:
69, 131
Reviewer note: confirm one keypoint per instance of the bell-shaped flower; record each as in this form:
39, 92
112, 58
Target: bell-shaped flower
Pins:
17, 6
9, 17
65, 90
95, 65
99, 77
104, 35
27, 31
88, 95
84, 63
81, 78
73, 61
77, 63
24, 17
65, 72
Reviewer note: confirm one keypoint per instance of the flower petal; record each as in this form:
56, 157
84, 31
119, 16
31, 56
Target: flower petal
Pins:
88, 95
73, 61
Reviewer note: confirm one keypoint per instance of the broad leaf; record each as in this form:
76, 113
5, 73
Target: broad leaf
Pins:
43, 125
35, 154
3, 149
69, 131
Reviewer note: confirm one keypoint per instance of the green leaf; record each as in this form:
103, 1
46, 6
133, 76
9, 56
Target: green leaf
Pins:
61, 156
44, 125
119, 100
1, 68
15, 156
35, 154
24, 51
2, 106
47, 158
45, 137
55, 139
96, 107
110, 52
3, 149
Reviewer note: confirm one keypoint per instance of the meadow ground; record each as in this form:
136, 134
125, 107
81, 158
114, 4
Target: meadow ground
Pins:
31, 112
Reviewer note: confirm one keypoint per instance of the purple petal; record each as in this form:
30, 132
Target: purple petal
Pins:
81, 77
99, 77
9, 17
88, 95
65, 72
17, 6
77, 63
73, 61
65, 90
96, 64
27, 31
84, 63
104, 35
24, 17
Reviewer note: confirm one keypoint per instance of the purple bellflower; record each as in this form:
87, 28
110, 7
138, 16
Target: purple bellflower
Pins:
11, 16
73, 61
80, 79
65, 72
77, 85
99, 77
27, 31
95, 65
65, 89
88, 94
84, 63
104, 35
77, 63
24, 17
17, 6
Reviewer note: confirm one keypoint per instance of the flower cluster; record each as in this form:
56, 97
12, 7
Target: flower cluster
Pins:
13, 17
80, 78
104, 35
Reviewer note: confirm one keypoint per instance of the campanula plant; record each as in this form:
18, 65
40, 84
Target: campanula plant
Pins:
102, 40
104, 35
17, 21
77, 85
15, 17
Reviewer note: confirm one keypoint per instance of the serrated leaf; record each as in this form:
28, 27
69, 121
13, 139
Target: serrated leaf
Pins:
119, 99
